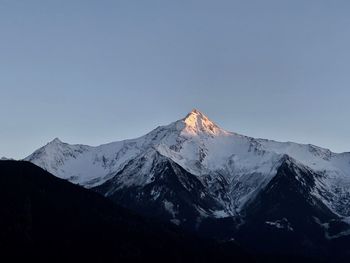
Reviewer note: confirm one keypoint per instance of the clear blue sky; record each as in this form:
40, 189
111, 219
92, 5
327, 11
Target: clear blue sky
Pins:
98, 71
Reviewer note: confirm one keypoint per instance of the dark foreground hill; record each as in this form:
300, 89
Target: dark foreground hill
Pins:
46, 218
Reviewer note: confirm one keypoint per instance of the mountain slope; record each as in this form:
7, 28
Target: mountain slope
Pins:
173, 194
232, 168
43, 217
221, 184
286, 218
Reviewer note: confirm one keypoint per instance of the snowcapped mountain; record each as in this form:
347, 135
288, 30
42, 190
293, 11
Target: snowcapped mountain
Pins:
191, 170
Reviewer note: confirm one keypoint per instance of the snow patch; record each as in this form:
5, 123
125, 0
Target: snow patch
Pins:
220, 214
169, 206
281, 224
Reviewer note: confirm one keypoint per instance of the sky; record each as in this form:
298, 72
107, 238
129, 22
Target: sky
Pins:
99, 71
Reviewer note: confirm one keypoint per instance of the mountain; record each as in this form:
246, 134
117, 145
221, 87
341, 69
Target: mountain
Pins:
46, 218
199, 176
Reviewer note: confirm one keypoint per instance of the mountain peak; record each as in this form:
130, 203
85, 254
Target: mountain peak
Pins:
196, 122
55, 141
195, 111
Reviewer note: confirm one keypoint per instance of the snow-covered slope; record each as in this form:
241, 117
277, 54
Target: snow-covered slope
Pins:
232, 167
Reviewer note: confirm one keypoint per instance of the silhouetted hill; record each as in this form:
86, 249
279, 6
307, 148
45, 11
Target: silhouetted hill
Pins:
47, 218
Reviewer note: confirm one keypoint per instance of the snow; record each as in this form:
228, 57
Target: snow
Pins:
220, 214
83, 164
327, 228
346, 220
169, 206
281, 224
155, 194
196, 123
341, 234
204, 149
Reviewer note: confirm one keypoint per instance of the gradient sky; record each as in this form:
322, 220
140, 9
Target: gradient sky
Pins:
99, 71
